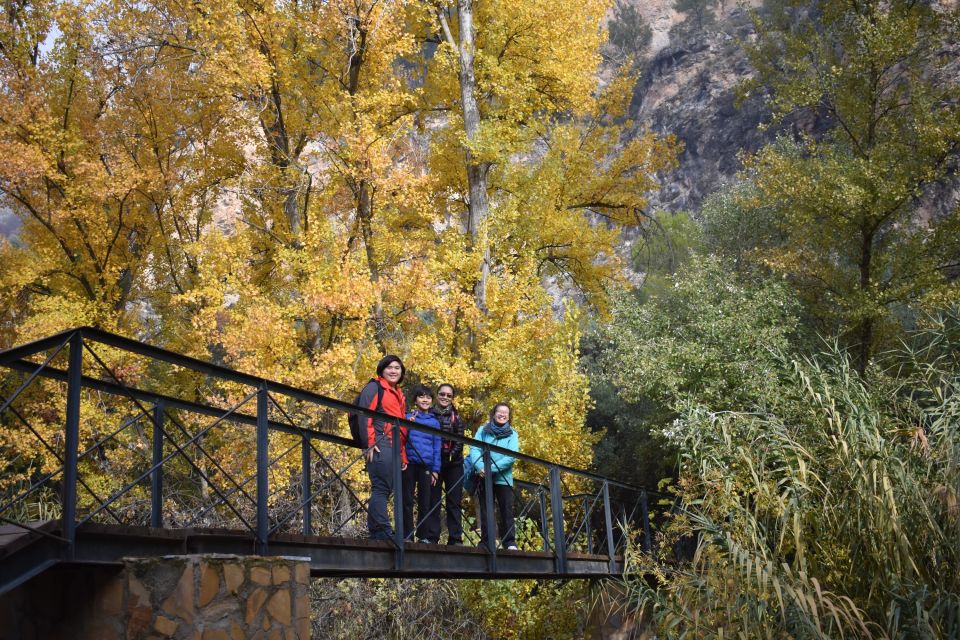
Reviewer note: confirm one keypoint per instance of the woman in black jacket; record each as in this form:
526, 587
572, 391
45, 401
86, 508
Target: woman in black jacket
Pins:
451, 471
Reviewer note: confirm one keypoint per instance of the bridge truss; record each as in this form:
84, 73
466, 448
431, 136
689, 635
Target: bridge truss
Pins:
114, 448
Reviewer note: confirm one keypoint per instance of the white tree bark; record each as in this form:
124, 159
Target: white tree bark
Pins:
479, 205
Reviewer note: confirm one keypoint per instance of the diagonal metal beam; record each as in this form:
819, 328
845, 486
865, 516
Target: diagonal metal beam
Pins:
26, 350
338, 475
180, 451
31, 378
62, 463
186, 405
180, 425
243, 483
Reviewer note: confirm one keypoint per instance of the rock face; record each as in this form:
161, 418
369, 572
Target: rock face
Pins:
688, 89
689, 75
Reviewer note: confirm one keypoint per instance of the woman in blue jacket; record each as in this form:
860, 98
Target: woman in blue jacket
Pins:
497, 432
423, 468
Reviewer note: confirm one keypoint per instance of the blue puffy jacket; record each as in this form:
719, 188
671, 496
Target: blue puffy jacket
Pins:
424, 448
500, 463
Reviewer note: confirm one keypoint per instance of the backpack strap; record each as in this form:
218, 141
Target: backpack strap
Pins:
379, 407
380, 392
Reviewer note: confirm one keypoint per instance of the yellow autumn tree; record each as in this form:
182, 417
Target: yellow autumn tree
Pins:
293, 189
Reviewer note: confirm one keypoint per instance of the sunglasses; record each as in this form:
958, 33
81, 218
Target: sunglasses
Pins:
444, 395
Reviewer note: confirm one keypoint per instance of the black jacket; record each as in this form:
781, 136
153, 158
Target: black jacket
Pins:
450, 450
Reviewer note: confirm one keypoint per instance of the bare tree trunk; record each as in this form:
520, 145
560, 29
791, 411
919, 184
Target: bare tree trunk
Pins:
365, 217
479, 206
281, 155
865, 330
363, 191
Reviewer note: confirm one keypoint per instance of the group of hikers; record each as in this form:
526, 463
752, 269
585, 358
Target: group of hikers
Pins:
432, 466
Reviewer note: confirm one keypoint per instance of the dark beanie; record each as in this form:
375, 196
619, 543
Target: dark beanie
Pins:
386, 361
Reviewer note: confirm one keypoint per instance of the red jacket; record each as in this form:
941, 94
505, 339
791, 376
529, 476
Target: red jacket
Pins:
394, 404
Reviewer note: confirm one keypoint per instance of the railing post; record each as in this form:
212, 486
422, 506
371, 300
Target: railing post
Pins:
263, 472
645, 517
156, 478
543, 519
608, 522
489, 520
556, 506
72, 441
398, 534
586, 523
306, 494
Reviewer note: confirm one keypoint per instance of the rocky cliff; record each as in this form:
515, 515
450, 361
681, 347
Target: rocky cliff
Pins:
690, 69
689, 73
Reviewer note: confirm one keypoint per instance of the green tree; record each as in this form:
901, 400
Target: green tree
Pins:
632, 448
627, 31
699, 10
632, 427
738, 234
663, 248
706, 339
857, 243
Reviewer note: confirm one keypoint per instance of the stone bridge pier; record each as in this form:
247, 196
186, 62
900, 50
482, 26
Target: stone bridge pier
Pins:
197, 597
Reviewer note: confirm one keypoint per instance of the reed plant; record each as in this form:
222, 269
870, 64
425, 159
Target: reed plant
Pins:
829, 510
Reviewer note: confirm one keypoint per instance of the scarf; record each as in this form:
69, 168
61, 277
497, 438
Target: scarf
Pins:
499, 431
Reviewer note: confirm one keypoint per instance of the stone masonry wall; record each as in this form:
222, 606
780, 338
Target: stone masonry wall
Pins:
181, 597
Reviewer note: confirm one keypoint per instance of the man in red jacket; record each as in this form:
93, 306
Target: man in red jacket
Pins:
385, 392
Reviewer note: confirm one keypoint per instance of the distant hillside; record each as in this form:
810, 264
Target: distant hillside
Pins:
689, 73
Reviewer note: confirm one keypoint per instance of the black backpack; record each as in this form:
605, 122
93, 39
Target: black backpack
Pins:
354, 419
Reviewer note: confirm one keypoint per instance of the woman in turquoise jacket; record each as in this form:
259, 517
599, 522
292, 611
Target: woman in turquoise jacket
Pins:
500, 433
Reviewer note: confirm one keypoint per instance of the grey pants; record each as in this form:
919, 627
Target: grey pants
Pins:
380, 470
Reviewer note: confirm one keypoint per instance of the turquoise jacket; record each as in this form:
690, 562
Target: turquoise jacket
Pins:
500, 463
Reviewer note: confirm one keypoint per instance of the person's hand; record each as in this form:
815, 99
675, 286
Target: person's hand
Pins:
370, 452
480, 473
433, 478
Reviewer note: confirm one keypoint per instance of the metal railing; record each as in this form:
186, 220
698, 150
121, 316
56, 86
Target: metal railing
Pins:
98, 428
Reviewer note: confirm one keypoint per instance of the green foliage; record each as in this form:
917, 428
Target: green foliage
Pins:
857, 245
675, 238
632, 449
528, 609
709, 337
380, 608
827, 508
740, 234
700, 11
628, 32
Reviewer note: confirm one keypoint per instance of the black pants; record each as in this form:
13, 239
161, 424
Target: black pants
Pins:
416, 486
450, 483
380, 471
503, 503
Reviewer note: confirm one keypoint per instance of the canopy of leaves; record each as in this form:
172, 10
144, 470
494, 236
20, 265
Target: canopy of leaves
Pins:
709, 338
630, 34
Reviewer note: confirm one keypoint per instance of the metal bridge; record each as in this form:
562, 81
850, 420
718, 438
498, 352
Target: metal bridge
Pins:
113, 448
